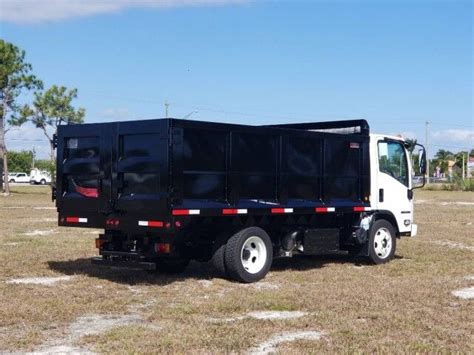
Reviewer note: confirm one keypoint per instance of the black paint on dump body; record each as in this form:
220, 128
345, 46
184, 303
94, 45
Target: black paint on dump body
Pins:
147, 168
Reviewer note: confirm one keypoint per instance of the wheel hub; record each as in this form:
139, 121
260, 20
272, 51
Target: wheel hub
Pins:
254, 255
383, 243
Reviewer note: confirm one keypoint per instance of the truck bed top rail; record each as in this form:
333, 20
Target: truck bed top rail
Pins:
360, 127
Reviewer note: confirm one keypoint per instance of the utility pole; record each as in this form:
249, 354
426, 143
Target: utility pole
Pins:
34, 156
167, 105
463, 168
427, 150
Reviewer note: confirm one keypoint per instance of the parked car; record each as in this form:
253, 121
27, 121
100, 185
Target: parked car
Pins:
18, 177
40, 177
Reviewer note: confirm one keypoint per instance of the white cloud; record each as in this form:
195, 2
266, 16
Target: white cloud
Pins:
463, 136
116, 113
38, 11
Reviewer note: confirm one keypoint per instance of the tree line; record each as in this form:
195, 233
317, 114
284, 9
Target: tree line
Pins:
442, 158
47, 110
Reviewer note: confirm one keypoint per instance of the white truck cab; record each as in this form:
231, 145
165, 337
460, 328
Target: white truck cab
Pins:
392, 185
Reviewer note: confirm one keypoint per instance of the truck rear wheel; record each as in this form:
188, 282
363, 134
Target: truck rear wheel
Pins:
218, 260
382, 242
248, 255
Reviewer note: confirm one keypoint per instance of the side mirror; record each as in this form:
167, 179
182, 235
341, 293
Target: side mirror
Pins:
422, 155
421, 167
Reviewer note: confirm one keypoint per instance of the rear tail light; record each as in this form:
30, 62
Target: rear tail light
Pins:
112, 222
163, 248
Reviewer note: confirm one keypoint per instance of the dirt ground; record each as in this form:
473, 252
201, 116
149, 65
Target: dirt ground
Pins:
53, 300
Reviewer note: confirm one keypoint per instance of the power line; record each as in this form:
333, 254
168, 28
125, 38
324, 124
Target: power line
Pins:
292, 116
25, 140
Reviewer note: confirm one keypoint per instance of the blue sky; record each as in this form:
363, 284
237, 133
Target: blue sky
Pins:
395, 63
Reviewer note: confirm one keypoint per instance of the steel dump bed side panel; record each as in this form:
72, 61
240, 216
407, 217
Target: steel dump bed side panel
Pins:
216, 166
125, 175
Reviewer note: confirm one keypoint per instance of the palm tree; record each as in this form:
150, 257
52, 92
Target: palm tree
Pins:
441, 159
410, 144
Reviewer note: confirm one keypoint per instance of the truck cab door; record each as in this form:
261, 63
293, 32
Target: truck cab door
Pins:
393, 191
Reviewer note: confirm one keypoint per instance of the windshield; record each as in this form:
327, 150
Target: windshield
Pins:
393, 160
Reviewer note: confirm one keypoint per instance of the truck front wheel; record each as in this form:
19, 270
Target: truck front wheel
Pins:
248, 255
382, 242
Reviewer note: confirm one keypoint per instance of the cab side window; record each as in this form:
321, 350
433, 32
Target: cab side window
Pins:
393, 161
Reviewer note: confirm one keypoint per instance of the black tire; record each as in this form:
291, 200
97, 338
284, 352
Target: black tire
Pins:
171, 266
43, 182
11, 181
235, 255
382, 233
218, 260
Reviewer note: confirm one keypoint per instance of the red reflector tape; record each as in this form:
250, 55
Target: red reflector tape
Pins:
354, 145
282, 210
185, 212
76, 220
234, 211
324, 209
361, 209
150, 223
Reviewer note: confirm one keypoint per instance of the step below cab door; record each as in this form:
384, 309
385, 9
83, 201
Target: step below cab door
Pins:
392, 177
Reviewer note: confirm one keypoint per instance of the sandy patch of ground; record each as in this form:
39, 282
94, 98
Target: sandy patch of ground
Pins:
271, 344
444, 203
262, 315
84, 326
61, 349
261, 285
453, 245
464, 293
460, 203
38, 232
271, 315
47, 220
44, 281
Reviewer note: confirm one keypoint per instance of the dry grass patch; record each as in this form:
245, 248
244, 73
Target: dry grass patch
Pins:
406, 305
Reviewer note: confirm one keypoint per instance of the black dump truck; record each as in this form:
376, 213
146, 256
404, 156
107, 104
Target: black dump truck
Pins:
167, 191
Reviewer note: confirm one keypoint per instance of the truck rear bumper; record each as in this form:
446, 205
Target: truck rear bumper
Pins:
98, 260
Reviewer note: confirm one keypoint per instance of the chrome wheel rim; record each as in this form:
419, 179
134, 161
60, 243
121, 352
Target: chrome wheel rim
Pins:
253, 255
383, 243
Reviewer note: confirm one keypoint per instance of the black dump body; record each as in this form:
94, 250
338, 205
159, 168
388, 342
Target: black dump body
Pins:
159, 178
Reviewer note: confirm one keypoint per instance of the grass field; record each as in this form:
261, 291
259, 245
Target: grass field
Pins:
53, 299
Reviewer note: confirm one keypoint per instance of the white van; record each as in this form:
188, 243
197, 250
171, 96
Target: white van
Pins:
40, 177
